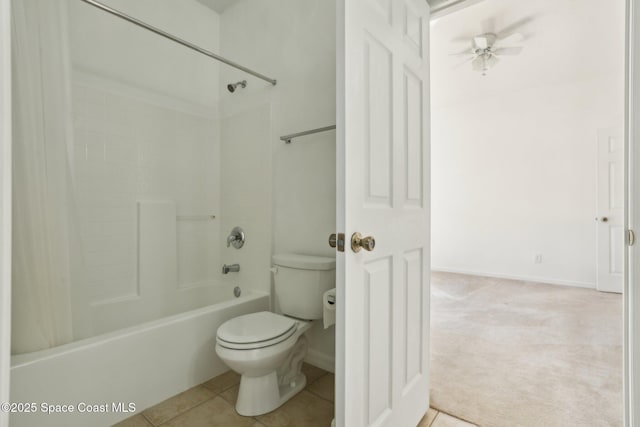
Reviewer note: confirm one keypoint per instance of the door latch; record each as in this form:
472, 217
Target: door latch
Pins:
631, 237
337, 241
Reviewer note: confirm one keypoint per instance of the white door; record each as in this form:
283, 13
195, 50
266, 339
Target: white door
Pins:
382, 356
611, 245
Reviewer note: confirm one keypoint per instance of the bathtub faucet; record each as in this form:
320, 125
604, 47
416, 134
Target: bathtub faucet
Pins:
233, 268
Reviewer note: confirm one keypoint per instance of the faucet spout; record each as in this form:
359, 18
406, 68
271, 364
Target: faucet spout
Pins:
233, 268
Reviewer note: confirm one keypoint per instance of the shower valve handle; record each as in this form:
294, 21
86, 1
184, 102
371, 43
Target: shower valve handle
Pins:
236, 238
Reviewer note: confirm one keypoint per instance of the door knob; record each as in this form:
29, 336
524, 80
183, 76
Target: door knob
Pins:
333, 240
358, 242
604, 219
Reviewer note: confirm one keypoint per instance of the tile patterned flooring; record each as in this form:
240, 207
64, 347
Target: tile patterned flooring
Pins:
435, 418
211, 404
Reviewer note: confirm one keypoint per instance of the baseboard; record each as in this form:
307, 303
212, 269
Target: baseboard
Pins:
545, 280
320, 360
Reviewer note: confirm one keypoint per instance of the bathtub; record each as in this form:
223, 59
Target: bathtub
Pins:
103, 378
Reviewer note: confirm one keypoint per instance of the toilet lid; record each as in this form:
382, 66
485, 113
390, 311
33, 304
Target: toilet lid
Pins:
255, 330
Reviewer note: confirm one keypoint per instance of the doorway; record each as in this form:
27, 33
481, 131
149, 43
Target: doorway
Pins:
610, 197
515, 167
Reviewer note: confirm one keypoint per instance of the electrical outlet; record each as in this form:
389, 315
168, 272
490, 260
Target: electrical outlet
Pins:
538, 259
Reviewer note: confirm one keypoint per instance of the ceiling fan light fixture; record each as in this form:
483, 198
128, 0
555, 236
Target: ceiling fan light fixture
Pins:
486, 49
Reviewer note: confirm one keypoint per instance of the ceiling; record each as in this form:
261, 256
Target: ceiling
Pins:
217, 5
564, 40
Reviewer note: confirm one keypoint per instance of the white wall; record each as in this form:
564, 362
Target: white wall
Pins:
514, 175
292, 41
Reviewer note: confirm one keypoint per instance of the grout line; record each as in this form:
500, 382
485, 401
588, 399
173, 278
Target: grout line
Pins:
147, 419
193, 407
440, 411
229, 388
317, 379
260, 423
306, 388
219, 394
215, 394
318, 396
434, 418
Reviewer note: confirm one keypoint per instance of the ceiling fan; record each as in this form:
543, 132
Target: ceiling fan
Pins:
487, 49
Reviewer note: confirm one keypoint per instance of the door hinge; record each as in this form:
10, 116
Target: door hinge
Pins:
631, 237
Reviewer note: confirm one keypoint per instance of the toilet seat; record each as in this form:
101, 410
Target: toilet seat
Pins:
255, 330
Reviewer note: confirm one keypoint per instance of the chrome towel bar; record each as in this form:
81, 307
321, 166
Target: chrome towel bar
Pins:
287, 138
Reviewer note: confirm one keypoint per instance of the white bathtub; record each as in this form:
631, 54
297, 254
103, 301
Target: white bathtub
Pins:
142, 365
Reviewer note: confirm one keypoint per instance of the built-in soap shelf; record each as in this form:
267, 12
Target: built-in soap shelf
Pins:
195, 217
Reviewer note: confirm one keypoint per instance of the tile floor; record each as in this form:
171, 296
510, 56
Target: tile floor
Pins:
211, 404
435, 418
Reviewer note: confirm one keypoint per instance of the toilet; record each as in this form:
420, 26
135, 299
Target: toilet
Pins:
267, 349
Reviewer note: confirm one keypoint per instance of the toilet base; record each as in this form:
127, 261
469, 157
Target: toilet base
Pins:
259, 395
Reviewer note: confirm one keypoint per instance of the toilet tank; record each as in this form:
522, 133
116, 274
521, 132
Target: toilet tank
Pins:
300, 281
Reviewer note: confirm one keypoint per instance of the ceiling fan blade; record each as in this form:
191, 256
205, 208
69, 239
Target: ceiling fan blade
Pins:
513, 38
466, 61
480, 42
464, 52
508, 51
478, 64
513, 28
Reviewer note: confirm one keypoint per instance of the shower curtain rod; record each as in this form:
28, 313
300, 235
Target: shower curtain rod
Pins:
177, 39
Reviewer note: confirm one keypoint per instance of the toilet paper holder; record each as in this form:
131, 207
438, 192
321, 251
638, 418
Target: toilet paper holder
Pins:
329, 308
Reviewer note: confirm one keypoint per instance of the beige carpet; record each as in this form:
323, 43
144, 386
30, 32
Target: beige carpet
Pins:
510, 353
